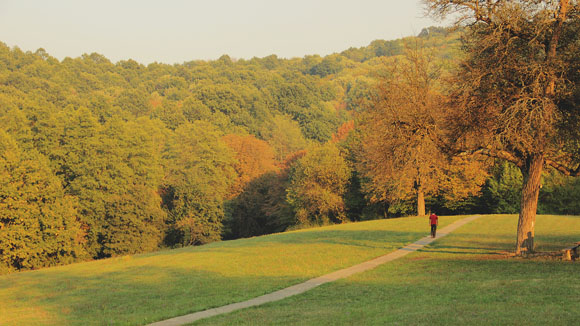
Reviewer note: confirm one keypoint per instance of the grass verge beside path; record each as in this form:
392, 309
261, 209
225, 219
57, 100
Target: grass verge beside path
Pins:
462, 279
136, 290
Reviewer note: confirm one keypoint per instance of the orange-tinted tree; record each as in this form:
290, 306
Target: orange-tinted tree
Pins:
343, 132
401, 138
254, 158
510, 89
258, 189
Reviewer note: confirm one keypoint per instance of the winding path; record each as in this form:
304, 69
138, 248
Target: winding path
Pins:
312, 283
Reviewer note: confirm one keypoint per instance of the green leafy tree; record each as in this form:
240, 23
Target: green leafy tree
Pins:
130, 173
114, 170
560, 194
198, 178
284, 135
318, 182
328, 66
261, 208
502, 191
38, 221
71, 141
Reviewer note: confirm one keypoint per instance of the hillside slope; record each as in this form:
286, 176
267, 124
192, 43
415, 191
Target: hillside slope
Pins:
462, 279
134, 290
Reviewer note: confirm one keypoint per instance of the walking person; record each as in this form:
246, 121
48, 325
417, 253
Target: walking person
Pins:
434, 220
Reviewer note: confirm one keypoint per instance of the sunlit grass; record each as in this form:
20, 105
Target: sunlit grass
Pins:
465, 278
138, 289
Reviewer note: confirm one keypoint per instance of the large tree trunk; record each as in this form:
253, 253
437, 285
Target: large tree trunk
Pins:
420, 201
532, 172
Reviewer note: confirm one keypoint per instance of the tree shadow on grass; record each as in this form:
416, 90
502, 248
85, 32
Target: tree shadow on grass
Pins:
506, 243
375, 239
479, 246
362, 238
463, 252
132, 291
555, 242
486, 236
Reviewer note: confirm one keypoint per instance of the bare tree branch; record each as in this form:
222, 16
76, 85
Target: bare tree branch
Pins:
563, 168
495, 154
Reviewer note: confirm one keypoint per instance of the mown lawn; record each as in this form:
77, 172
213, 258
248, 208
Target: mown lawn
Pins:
462, 279
135, 290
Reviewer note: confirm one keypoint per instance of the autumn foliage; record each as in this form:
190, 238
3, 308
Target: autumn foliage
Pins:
402, 150
254, 157
509, 91
101, 159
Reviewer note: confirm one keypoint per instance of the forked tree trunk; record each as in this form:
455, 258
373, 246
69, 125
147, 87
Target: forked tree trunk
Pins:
531, 172
420, 201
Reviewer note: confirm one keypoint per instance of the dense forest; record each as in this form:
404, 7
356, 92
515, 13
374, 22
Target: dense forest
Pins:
100, 159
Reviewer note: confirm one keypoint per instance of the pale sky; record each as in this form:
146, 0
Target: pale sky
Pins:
175, 31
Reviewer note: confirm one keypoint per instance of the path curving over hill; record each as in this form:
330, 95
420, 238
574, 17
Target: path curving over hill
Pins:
312, 283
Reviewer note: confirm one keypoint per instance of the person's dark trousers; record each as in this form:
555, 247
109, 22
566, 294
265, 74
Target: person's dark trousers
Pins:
433, 230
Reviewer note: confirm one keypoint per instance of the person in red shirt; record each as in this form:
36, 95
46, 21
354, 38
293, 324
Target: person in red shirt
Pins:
434, 220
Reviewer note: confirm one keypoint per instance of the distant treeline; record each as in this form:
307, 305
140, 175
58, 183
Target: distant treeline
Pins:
99, 159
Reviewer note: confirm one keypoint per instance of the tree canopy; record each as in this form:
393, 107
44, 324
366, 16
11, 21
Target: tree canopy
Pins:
511, 88
101, 159
401, 150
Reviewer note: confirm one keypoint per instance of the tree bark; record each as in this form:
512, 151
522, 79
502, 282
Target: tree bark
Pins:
531, 172
420, 201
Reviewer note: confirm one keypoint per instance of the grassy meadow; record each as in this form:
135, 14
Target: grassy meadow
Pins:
134, 290
463, 278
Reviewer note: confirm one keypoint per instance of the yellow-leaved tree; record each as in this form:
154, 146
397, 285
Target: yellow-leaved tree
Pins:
401, 137
318, 182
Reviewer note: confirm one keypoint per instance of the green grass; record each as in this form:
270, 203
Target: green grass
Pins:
135, 290
462, 279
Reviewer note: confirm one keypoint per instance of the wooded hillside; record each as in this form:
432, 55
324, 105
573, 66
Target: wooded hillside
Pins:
100, 159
